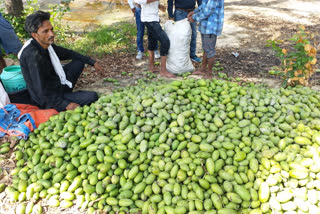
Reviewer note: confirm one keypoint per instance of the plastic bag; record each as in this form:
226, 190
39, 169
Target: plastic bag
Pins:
178, 59
20, 119
4, 98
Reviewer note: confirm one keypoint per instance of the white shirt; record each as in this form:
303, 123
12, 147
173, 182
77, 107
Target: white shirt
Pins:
131, 4
150, 11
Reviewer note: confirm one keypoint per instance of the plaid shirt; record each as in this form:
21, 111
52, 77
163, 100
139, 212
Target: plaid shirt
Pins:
210, 15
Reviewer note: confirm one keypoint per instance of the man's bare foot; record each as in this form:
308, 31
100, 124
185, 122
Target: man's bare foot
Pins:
167, 74
153, 69
200, 72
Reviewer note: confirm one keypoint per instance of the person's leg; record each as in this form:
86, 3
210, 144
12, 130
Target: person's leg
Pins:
210, 62
81, 97
152, 43
73, 71
159, 34
193, 44
140, 30
203, 68
210, 49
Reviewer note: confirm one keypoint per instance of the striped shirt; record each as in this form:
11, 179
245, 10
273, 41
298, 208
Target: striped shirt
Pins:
210, 15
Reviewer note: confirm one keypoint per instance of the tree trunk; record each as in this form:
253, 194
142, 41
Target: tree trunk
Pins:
14, 7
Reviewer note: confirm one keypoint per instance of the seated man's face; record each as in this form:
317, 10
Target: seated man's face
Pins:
45, 34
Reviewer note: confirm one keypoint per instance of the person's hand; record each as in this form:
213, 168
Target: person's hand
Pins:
190, 14
190, 19
134, 11
98, 68
72, 106
171, 19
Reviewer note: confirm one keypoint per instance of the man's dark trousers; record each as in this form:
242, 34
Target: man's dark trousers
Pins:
73, 71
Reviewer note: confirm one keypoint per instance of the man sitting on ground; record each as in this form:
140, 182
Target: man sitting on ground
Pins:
49, 83
8, 40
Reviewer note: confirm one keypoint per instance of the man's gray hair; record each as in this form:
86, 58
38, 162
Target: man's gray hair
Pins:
35, 20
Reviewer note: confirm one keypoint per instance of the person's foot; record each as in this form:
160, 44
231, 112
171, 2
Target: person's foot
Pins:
153, 69
195, 59
139, 55
157, 54
200, 72
167, 74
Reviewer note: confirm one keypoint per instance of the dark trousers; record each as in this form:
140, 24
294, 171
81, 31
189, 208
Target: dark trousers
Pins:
73, 71
155, 34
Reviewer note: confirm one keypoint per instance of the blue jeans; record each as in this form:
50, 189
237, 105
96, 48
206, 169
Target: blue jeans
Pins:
179, 15
140, 30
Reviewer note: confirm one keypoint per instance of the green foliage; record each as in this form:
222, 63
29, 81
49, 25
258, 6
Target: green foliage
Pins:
298, 61
31, 6
17, 23
61, 30
104, 40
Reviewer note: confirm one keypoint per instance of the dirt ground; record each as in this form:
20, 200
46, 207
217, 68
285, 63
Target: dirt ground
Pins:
248, 25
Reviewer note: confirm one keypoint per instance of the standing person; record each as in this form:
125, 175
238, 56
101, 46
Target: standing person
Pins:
8, 40
150, 17
49, 83
210, 15
136, 9
181, 11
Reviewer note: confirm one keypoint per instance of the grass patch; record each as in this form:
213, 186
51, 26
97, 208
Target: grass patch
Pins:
104, 40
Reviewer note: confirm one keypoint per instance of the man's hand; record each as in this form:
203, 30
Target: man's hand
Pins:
98, 68
72, 106
171, 18
134, 11
190, 14
190, 19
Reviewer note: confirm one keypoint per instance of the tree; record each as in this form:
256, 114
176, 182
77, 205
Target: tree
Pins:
14, 7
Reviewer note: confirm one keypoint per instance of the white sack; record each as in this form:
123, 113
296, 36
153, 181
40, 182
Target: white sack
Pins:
4, 98
179, 33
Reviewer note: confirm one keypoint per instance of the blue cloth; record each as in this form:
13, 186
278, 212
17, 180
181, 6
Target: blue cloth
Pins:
182, 4
12, 123
210, 15
179, 15
8, 38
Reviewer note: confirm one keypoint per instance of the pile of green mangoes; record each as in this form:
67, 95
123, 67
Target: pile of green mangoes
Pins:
189, 146
4, 148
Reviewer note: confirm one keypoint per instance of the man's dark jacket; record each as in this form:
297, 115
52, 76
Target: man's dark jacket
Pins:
182, 4
42, 81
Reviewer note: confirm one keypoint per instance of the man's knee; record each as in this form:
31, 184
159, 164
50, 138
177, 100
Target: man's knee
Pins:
91, 97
